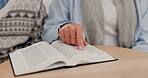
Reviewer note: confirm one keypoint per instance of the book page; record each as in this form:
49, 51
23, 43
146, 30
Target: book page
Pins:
87, 55
68, 50
36, 57
39, 53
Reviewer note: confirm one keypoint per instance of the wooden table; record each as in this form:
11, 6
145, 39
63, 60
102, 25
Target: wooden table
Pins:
131, 64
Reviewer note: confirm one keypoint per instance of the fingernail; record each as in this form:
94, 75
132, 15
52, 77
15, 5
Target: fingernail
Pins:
80, 48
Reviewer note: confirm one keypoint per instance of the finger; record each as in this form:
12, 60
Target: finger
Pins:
79, 38
61, 34
72, 31
67, 35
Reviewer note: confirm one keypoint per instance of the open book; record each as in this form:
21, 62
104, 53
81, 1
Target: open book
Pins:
43, 56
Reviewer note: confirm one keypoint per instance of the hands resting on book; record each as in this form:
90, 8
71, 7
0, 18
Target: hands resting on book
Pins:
71, 33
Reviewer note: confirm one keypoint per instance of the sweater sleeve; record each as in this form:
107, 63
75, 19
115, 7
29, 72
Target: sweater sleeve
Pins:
41, 17
141, 42
58, 15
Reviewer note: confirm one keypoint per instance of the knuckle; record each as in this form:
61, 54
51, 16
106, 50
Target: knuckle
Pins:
66, 39
79, 26
72, 34
79, 30
65, 30
66, 36
72, 28
79, 33
79, 37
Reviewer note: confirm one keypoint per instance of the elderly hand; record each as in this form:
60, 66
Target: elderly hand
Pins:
72, 34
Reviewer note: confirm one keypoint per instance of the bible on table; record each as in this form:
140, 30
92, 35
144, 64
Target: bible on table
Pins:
43, 56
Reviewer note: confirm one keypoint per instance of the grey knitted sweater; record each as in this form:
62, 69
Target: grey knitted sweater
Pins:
20, 25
